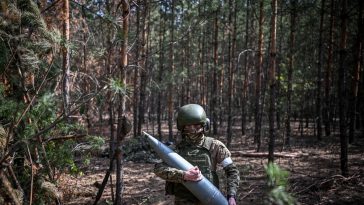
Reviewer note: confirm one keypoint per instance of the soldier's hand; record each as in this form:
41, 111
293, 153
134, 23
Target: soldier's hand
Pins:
232, 201
193, 174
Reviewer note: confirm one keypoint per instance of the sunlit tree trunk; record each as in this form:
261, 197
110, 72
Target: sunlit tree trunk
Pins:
66, 58
272, 80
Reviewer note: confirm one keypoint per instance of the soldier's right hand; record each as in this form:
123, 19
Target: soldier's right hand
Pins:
193, 174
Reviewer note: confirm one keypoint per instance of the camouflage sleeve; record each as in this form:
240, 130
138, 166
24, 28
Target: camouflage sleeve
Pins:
233, 178
168, 173
223, 156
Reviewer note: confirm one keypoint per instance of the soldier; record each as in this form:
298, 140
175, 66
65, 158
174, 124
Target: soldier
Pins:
204, 153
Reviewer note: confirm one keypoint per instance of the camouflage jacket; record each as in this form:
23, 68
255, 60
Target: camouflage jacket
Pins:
219, 155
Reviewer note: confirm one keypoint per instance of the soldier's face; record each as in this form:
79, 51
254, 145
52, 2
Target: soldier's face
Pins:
192, 128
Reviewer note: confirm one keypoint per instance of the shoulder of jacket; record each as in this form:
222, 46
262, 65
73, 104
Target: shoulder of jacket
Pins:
208, 142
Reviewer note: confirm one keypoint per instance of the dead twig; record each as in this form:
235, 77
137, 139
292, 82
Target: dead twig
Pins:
247, 193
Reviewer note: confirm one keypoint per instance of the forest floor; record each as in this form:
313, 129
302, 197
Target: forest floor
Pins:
314, 178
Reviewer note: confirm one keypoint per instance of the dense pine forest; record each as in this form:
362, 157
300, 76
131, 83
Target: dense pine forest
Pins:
80, 80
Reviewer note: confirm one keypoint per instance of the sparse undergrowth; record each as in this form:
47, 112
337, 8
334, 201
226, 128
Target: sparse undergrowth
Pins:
314, 176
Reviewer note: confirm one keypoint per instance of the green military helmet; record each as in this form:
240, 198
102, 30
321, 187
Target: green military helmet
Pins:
191, 114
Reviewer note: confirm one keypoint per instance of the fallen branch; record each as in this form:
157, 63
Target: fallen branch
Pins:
67, 137
265, 154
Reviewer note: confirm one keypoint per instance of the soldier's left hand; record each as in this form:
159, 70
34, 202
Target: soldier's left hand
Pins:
193, 174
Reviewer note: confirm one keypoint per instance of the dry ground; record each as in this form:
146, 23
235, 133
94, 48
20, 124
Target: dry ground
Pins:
314, 175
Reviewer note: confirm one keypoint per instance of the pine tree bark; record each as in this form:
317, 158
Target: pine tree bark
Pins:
143, 66
136, 74
257, 126
290, 72
66, 58
319, 75
272, 81
246, 72
342, 92
160, 72
215, 76
122, 129
171, 86
231, 48
356, 74
328, 73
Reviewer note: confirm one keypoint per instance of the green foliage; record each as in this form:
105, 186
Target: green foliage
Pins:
96, 141
8, 107
60, 156
277, 181
118, 87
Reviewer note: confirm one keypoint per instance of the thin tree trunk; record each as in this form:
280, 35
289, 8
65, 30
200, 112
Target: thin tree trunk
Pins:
202, 54
246, 72
290, 72
160, 72
328, 74
121, 131
215, 80
355, 83
257, 128
272, 81
66, 58
341, 92
136, 74
143, 65
319, 75
171, 87
85, 85
231, 43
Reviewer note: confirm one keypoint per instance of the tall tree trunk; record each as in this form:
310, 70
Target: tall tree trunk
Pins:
110, 105
341, 91
257, 128
66, 58
272, 80
246, 72
328, 73
215, 74
319, 75
121, 131
85, 85
143, 66
290, 72
171, 86
231, 59
136, 74
160, 72
202, 54
356, 74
